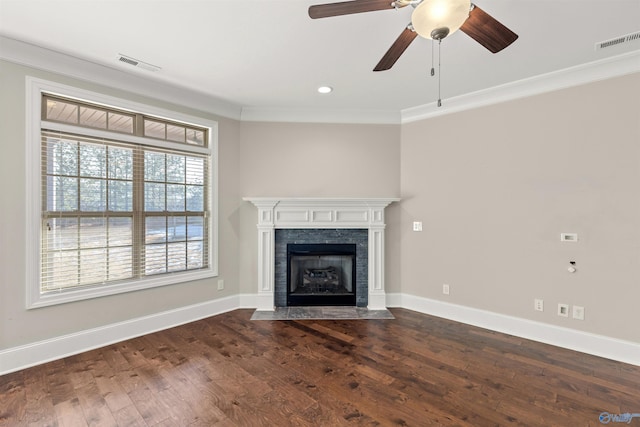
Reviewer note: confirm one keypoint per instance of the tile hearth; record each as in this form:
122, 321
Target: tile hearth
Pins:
322, 313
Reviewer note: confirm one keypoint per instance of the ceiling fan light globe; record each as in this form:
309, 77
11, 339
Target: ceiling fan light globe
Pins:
436, 14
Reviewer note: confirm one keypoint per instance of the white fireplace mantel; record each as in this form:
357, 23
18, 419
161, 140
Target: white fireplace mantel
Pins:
296, 212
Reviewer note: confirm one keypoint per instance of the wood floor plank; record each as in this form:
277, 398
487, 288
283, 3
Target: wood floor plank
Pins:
94, 407
39, 410
128, 416
152, 411
227, 370
69, 413
12, 394
109, 387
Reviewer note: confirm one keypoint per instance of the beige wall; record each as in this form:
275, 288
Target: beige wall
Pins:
318, 160
496, 186
493, 186
19, 326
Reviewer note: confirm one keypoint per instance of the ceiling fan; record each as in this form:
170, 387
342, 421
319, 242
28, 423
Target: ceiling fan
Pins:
431, 19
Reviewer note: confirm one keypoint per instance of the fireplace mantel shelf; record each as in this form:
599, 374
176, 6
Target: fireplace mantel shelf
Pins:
322, 200
307, 212
304, 212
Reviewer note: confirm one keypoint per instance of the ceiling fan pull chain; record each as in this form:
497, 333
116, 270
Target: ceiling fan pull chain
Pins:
433, 71
439, 56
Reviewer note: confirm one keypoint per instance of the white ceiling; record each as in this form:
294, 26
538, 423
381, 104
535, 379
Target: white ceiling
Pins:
268, 54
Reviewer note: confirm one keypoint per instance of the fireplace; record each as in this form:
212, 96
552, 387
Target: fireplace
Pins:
321, 274
325, 242
304, 217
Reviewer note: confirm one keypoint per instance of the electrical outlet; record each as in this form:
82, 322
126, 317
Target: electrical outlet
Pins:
538, 304
417, 225
578, 312
568, 237
445, 289
563, 310
220, 284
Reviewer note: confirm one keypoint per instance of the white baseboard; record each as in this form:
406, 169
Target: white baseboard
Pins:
585, 342
248, 301
17, 358
377, 301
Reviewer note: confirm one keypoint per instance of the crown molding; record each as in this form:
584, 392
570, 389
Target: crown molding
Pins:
48, 60
40, 58
607, 68
320, 115
603, 69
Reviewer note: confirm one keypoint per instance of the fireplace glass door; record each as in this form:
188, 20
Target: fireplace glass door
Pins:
321, 274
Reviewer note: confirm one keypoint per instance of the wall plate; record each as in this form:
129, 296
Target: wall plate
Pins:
563, 310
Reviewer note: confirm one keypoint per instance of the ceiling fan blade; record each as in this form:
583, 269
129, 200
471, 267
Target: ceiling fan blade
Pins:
348, 7
487, 31
397, 48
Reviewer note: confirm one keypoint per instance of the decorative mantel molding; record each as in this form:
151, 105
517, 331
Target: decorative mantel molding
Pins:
331, 213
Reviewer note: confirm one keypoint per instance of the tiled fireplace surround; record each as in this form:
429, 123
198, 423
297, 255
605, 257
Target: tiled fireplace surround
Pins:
356, 236
327, 220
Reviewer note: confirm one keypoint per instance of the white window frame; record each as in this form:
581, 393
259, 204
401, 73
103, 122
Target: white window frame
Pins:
34, 90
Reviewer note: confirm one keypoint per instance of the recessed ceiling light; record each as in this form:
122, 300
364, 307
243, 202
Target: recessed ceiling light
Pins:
325, 89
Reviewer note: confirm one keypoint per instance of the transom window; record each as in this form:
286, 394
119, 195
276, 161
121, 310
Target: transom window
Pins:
126, 201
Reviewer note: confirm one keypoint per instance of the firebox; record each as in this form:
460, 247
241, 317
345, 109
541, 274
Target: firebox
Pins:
321, 274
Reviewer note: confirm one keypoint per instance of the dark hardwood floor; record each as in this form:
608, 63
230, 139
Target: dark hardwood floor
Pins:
416, 370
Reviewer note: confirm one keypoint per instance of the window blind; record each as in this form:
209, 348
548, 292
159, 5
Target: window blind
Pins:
117, 211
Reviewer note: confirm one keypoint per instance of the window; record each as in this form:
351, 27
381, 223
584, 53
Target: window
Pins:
126, 197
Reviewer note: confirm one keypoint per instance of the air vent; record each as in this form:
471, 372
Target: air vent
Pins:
136, 63
633, 37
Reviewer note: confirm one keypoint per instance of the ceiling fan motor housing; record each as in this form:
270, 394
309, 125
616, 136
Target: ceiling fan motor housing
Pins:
439, 33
